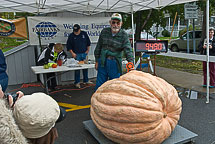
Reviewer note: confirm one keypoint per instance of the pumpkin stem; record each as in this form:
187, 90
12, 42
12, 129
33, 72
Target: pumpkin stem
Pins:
164, 115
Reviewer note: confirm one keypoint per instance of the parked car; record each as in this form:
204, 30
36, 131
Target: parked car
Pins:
181, 43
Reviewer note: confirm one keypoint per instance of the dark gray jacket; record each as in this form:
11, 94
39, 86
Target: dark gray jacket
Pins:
204, 51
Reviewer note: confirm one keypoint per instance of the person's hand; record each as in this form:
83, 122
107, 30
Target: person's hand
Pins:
1, 93
205, 46
73, 55
11, 102
87, 52
96, 65
132, 69
210, 46
20, 94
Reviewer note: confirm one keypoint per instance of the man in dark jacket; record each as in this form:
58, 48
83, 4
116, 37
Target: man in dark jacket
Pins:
78, 44
3, 74
203, 50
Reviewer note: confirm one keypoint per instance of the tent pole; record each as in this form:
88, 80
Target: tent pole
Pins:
207, 34
38, 8
132, 23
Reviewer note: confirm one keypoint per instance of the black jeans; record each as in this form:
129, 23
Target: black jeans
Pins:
52, 83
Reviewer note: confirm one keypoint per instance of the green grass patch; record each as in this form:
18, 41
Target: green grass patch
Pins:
166, 38
186, 65
9, 43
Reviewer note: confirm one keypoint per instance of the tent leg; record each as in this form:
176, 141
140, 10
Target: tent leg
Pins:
132, 22
207, 34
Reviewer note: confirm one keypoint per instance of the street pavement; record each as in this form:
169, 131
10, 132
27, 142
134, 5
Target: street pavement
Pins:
196, 116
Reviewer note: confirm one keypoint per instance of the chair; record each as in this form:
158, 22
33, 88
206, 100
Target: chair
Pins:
145, 57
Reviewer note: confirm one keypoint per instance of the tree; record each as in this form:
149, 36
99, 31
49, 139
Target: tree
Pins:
145, 19
202, 7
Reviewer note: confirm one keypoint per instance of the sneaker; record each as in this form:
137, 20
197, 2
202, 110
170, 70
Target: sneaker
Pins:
89, 82
78, 85
211, 86
204, 85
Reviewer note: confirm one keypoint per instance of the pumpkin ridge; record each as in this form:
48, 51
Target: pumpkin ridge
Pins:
126, 100
133, 95
176, 111
128, 128
156, 93
177, 108
132, 107
114, 84
122, 114
115, 81
172, 123
175, 115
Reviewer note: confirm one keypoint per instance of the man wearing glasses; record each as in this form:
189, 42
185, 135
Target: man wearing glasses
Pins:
109, 51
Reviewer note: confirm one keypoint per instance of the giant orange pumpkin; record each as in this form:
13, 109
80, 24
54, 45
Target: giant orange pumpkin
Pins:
136, 108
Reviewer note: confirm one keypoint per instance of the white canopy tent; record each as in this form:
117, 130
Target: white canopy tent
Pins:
88, 7
92, 7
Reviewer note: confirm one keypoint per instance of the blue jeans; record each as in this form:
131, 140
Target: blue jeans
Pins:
108, 72
4, 84
81, 57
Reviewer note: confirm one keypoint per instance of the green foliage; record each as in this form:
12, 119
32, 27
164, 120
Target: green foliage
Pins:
202, 5
166, 38
156, 17
166, 33
8, 43
183, 31
173, 9
7, 15
12, 15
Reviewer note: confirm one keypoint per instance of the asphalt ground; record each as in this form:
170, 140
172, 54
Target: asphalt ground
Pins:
196, 116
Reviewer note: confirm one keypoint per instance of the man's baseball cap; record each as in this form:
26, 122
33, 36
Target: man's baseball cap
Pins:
76, 27
116, 16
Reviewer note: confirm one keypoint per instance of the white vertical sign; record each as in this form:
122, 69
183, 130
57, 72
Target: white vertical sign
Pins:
191, 11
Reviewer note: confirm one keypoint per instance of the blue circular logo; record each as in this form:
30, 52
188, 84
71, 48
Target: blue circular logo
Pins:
46, 29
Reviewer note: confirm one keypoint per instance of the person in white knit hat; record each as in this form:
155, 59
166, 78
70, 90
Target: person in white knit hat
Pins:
35, 116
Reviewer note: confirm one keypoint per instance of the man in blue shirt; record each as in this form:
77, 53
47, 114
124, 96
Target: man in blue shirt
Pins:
78, 44
3, 74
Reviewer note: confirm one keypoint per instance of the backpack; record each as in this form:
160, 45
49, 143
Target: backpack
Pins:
41, 58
